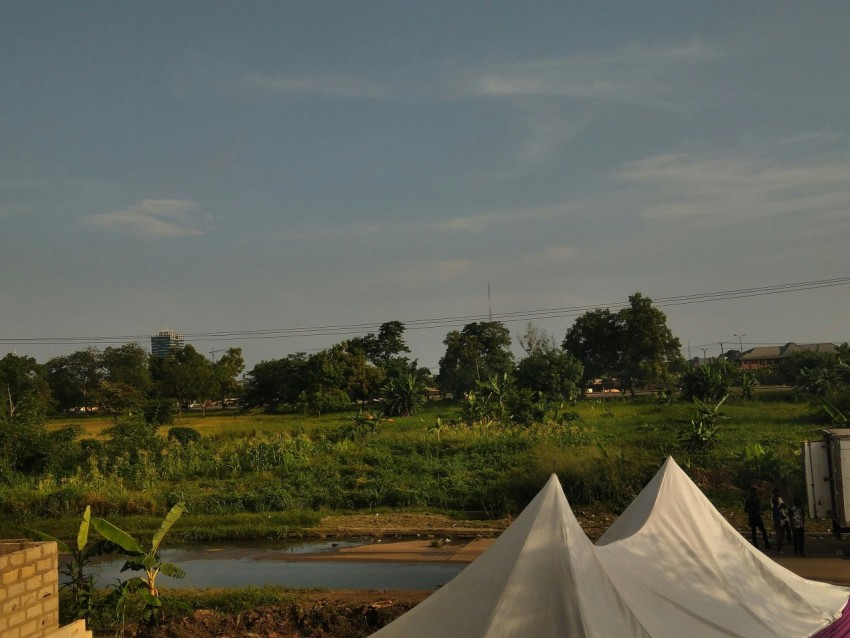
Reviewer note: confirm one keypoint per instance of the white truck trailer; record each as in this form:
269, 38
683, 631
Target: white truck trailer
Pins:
826, 465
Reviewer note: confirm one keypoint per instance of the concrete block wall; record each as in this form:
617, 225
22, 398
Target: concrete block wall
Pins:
29, 589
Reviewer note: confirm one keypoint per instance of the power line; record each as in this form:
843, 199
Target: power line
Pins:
444, 322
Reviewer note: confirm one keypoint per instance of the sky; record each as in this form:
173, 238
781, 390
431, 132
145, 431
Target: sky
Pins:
229, 167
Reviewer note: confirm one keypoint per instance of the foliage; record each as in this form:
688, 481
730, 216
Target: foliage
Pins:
707, 382
788, 370
330, 400
403, 395
634, 344
478, 351
82, 600
748, 383
184, 375
702, 434
650, 351
276, 382
383, 347
22, 382
134, 438
147, 561
835, 414
552, 372
596, 339
263, 476
158, 411
526, 407
225, 371
184, 435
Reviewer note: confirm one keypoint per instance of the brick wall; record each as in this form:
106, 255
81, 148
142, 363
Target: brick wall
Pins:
29, 589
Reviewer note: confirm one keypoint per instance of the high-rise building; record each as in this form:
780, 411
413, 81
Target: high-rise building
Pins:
163, 342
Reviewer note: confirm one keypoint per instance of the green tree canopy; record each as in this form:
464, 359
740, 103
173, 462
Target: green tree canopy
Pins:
185, 375
634, 344
276, 382
226, 372
650, 351
22, 381
128, 365
552, 372
596, 339
75, 379
480, 350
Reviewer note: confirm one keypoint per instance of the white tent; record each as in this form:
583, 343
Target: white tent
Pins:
669, 567
540, 579
686, 572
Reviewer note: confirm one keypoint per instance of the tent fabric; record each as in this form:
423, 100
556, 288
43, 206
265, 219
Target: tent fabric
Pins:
840, 628
540, 579
685, 571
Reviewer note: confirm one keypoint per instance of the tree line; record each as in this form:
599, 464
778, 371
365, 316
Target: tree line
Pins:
117, 380
633, 346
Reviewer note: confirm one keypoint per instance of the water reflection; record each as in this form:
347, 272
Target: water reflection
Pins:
241, 566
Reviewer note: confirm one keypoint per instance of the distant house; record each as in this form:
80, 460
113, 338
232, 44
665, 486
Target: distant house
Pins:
770, 356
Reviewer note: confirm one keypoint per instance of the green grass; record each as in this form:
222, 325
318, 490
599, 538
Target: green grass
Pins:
266, 476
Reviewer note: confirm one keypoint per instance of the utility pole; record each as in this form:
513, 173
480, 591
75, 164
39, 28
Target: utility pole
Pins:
722, 351
740, 342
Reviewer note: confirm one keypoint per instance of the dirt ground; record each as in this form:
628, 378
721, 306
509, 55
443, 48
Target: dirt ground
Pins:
428, 538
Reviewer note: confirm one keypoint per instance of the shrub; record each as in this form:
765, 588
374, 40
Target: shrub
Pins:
159, 412
184, 435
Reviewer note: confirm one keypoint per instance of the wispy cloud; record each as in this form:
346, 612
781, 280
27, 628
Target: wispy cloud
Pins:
639, 73
485, 221
732, 189
154, 218
553, 254
334, 87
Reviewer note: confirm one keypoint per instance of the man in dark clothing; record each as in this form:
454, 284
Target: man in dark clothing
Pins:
752, 506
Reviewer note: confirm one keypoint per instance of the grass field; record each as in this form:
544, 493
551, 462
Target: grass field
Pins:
263, 476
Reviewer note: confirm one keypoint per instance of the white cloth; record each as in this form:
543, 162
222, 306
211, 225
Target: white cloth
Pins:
685, 571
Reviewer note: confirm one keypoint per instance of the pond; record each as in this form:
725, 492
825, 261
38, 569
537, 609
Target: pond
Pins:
257, 565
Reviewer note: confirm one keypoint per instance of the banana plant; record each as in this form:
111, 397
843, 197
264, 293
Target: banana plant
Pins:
147, 561
80, 584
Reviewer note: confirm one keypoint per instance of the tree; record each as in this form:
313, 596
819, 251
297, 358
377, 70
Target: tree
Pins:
225, 373
650, 351
536, 340
75, 379
596, 339
118, 398
185, 375
475, 353
128, 365
275, 382
22, 380
551, 372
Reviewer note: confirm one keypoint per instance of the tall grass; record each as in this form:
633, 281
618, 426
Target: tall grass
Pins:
264, 465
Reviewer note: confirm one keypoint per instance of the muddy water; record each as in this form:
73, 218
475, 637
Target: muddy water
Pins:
241, 566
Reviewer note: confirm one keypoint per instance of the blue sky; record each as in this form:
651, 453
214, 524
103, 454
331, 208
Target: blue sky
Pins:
221, 166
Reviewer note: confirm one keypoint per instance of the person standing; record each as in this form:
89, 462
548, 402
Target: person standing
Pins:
798, 526
776, 505
752, 506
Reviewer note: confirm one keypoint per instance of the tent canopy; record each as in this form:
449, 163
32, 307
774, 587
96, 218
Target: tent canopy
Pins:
540, 578
678, 562
670, 566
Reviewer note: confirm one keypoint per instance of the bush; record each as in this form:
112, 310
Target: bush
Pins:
184, 435
159, 412
332, 400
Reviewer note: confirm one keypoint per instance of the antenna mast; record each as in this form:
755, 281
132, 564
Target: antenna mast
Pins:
489, 302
